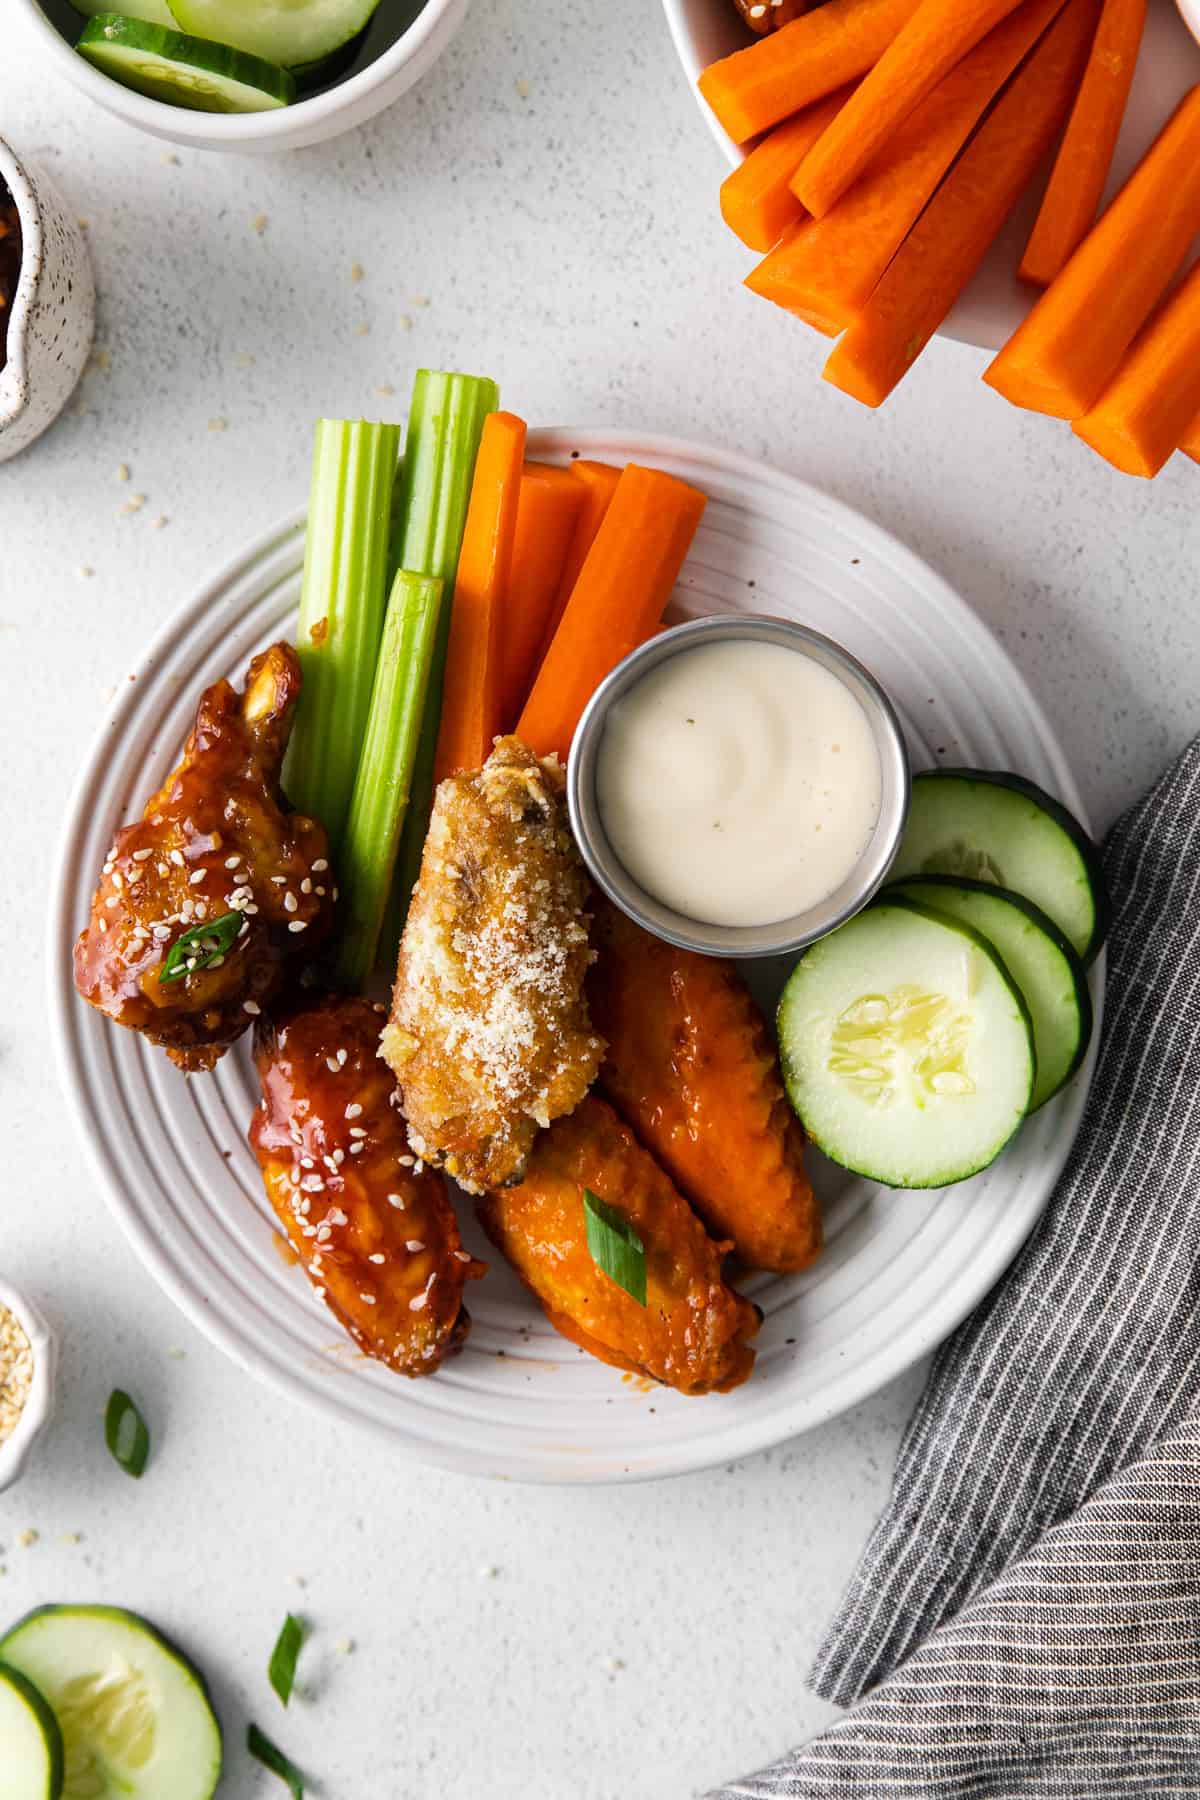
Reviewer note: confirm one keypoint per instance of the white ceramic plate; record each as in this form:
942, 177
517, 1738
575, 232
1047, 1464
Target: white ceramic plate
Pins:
900, 1270
996, 301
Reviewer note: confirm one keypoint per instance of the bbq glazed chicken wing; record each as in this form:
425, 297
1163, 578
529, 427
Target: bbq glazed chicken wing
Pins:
691, 1068
216, 859
489, 1034
375, 1233
692, 1332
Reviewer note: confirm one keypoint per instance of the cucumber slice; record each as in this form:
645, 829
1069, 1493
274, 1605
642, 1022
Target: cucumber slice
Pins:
135, 1716
907, 1049
31, 1746
1005, 831
1040, 961
183, 71
289, 32
151, 12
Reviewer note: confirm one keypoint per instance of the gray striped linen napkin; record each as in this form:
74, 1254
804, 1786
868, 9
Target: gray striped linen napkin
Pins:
1025, 1619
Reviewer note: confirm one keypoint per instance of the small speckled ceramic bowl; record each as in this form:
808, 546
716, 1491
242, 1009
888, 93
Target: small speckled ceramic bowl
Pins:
39, 1404
52, 319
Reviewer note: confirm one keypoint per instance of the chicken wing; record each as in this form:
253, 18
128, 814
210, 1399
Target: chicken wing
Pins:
218, 865
489, 1034
691, 1068
375, 1232
692, 1332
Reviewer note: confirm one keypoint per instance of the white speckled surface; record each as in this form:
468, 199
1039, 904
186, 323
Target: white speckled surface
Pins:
565, 238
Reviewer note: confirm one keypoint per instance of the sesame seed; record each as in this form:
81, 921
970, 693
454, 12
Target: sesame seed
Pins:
117, 882
358, 1148
252, 1007
290, 902
320, 1293
378, 1257
396, 1200
413, 1245
141, 856
103, 924
278, 880
319, 865
353, 1110
336, 1216
462, 1256
344, 1646
298, 925
306, 886
177, 858
197, 876
342, 1057
163, 868
332, 1064
113, 900
358, 1131
323, 1234
416, 1304
231, 862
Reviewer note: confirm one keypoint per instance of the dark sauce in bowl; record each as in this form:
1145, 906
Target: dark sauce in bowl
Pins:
10, 263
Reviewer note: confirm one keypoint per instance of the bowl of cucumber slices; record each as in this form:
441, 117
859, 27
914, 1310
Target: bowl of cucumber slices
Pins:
246, 75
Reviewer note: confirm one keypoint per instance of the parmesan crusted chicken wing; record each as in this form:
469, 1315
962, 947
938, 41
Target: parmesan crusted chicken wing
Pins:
376, 1234
489, 1034
217, 866
692, 1332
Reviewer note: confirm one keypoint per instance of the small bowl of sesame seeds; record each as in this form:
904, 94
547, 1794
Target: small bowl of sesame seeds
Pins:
28, 1355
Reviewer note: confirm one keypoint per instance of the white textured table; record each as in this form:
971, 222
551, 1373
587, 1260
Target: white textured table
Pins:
542, 208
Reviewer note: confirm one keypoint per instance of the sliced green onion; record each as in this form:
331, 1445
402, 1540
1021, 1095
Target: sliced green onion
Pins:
342, 603
385, 771
201, 947
445, 421
281, 1669
126, 1434
265, 1752
615, 1246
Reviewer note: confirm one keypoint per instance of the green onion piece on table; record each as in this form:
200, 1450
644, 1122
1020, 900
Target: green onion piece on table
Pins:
444, 425
385, 770
271, 1757
615, 1246
342, 604
281, 1670
126, 1434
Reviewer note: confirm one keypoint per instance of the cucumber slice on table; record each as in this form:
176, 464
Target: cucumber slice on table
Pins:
1039, 959
135, 1715
290, 32
31, 1746
1004, 830
151, 12
907, 1049
183, 71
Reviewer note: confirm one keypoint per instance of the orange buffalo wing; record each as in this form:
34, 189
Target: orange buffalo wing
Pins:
691, 1068
692, 1333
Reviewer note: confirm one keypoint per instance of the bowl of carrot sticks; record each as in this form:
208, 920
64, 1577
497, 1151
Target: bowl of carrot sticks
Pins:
895, 160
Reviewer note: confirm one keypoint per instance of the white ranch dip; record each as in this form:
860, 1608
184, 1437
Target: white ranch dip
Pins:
739, 783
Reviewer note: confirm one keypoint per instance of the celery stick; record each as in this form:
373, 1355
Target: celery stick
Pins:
385, 769
444, 426
342, 603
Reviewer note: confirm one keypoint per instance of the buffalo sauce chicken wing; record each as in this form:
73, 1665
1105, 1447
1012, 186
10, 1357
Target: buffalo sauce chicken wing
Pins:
489, 1034
692, 1334
691, 1068
216, 860
374, 1231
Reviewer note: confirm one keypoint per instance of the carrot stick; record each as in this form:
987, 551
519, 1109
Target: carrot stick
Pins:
598, 482
756, 201
1144, 415
621, 594
757, 87
827, 270
471, 695
936, 38
547, 513
952, 236
1064, 354
1072, 198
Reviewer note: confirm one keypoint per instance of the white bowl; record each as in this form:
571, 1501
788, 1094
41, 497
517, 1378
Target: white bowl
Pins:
1189, 12
53, 315
393, 56
14, 1451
